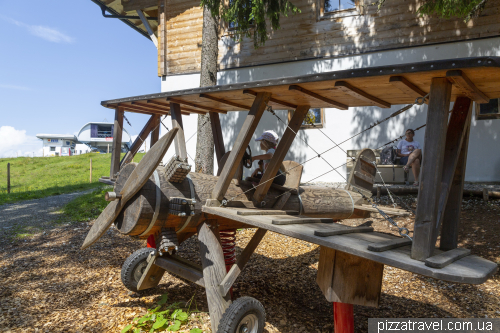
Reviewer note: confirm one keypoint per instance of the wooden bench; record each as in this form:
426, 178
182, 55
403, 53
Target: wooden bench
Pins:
391, 174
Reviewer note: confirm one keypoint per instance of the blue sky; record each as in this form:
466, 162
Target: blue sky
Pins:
58, 62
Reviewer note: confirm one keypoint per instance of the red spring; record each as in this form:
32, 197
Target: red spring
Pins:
228, 242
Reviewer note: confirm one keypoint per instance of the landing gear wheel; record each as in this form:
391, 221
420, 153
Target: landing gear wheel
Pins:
133, 268
245, 315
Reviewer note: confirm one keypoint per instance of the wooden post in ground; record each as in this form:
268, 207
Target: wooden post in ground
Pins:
117, 143
8, 177
241, 143
129, 156
90, 181
179, 140
214, 271
220, 150
278, 157
432, 169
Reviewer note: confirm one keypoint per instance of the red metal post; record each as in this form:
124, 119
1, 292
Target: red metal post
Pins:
151, 242
343, 317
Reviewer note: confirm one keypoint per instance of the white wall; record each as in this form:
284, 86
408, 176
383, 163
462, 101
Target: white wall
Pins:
483, 163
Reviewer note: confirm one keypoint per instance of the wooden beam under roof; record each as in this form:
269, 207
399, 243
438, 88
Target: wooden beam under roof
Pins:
360, 94
156, 107
182, 108
136, 108
180, 101
130, 5
274, 100
330, 101
407, 87
224, 101
466, 86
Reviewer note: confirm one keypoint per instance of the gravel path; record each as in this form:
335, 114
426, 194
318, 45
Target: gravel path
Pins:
32, 216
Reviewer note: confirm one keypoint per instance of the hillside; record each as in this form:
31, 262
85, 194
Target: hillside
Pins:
33, 178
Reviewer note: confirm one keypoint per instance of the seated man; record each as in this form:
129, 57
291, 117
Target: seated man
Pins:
410, 152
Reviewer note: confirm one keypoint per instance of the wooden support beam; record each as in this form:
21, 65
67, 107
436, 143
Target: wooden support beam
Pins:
175, 265
389, 244
214, 271
131, 5
117, 143
280, 153
166, 106
237, 268
274, 100
241, 143
220, 150
129, 156
360, 94
162, 37
180, 101
145, 22
451, 217
152, 275
152, 107
224, 101
346, 278
179, 140
432, 169
444, 259
155, 133
136, 108
407, 87
457, 129
466, 86
330, 101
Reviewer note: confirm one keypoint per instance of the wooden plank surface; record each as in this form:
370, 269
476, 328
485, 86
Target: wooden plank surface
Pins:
471, 269
241, 143
151, 277
180, 268
432, 169
349, 89
407, 87
389, 244
337, 232
466, 86
301, 220
444, 259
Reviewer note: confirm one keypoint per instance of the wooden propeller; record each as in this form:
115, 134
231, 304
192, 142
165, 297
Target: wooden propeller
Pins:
137, 179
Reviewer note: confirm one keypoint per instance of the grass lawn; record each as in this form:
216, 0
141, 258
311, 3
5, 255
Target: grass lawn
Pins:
34, 178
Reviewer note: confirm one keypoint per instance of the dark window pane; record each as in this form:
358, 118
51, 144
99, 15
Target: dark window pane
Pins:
331, 5
489, 108
346, 4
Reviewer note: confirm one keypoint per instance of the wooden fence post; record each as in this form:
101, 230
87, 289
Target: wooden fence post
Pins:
90, 171
8, 177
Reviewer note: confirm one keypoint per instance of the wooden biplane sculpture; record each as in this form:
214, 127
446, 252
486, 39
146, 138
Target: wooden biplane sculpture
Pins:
167, 204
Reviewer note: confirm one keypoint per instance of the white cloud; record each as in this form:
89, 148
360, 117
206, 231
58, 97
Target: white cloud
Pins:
16, 143
47, 33
13, 86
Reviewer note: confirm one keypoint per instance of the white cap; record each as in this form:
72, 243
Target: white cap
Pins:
270, 136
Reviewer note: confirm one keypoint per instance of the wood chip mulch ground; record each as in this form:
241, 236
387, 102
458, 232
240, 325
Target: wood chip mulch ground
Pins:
48, 285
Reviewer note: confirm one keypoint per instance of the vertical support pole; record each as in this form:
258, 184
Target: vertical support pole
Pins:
179, 140
129, 156
242, 141
90, 180
155, 132
117, 143
214, 271
8, 177
220, 150
432, 169
278, 157
343, 317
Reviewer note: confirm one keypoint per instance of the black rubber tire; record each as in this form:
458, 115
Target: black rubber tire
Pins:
136, 261
237, 311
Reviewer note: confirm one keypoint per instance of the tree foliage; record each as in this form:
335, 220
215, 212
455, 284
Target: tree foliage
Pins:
250, 18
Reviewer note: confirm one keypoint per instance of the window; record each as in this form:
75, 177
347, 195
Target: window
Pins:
67, 143
488, 110
337, 8
52, 148
317, 116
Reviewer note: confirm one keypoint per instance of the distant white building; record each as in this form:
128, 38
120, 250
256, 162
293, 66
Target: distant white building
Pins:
99, 136
58, 144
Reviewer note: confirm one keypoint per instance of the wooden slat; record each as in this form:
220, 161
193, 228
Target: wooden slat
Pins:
279, 155
302, 220
214, 271
152, 275
155, 133
364, 177
444, 259
242, 141
237, 268
407, 87
135, 108
185, 111
330, 101
180, 268
224, 101
389, 244
342, 231
131, 5
432, 169
272, 99
282, 200
269, 212
457, 129
153, 107
117, 143
129, 156
220, 150
466, 86
179, 141
180, 101
360, 94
